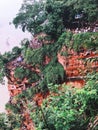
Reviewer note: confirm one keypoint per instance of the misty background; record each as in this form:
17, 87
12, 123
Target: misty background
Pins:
9, 37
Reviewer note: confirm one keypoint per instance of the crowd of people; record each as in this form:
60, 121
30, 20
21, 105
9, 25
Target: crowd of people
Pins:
84, 30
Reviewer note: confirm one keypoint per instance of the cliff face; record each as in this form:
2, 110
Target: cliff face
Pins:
76, 66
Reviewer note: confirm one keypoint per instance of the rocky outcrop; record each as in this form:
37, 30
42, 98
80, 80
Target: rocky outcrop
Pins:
76, 66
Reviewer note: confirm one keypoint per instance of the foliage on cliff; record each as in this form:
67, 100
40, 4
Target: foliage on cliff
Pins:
69, 108
64, 108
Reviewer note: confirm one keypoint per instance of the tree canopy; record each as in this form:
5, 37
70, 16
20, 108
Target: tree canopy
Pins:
52, 16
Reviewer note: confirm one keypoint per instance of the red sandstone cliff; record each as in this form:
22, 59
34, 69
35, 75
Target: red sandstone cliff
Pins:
75, 65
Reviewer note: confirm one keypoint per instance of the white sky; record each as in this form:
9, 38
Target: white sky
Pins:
8, 33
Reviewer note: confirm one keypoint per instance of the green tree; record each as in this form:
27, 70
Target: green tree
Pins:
3, 122
69, 108
30, 16
3, 62
21, 73
88, 8
52, 16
